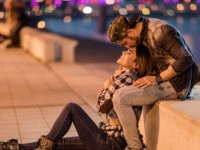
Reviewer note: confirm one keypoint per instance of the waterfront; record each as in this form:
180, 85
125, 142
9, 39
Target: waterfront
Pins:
87, 28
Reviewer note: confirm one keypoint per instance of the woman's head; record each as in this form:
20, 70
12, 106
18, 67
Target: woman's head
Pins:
137, 58
128, 59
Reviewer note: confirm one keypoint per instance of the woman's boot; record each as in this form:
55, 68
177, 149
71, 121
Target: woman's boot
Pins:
9, 145
45, 144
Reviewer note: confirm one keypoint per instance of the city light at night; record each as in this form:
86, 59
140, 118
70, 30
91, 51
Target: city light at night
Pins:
123, 7
147, 7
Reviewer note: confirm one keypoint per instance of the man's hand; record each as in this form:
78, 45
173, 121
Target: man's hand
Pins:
145, 82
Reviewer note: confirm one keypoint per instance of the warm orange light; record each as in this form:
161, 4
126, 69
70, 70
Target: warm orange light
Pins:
193, 7
187, 1
180, 7
154, 7
129, 7
41, 24
67, 19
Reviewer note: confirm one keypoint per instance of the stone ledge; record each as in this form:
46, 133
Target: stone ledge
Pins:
45, 46
173, 125
48, 47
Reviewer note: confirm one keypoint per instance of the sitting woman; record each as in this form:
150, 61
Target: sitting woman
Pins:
134, 63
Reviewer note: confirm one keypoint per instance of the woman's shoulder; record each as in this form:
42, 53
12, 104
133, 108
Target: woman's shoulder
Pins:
130, 73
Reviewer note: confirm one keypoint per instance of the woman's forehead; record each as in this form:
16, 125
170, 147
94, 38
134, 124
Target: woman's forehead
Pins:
133, 49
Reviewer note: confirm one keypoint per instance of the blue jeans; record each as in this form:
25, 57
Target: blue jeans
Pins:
126, 97
90, 136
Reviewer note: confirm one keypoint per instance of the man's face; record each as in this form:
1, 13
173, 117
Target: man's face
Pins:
132, 39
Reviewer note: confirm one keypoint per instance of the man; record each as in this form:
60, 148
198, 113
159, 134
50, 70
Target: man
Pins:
16, 19
178, 72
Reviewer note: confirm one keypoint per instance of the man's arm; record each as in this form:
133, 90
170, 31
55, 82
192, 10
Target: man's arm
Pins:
174, 44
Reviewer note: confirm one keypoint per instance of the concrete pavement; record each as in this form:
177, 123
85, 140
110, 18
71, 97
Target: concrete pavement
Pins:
32, 93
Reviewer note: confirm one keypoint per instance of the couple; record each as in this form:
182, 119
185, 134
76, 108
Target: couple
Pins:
157, 65
108, 135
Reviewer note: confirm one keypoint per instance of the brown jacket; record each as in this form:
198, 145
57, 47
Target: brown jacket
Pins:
168, 48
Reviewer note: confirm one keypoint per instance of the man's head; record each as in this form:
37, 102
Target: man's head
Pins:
118, 28
124, 31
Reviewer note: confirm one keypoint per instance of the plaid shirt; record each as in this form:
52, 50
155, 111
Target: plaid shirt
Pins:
104, 103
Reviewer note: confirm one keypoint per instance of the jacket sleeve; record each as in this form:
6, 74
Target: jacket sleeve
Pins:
173, 43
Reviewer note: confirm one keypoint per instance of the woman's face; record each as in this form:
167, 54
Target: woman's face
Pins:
128, 59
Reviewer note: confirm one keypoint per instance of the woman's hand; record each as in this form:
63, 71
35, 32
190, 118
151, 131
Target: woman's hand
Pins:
145, 82
108, 82
100, 92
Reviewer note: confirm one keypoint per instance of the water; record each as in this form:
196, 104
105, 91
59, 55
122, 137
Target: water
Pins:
86, 27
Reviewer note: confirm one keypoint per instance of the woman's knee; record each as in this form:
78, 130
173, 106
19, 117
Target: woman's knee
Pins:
70, 106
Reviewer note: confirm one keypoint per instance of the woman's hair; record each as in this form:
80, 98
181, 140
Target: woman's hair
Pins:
145, 63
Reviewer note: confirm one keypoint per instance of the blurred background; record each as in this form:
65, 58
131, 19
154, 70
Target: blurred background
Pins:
89, 19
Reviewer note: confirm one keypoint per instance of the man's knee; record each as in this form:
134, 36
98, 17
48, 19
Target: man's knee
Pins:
118, 98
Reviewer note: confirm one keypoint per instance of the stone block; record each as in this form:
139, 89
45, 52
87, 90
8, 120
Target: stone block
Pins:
173, 125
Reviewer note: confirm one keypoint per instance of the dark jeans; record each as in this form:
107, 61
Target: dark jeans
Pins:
90, 136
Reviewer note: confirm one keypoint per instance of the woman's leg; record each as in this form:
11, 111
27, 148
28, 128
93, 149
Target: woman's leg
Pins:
90, 135
87, 130
71, 143
28, 146
130, 96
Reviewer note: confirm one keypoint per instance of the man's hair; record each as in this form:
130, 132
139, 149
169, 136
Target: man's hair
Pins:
119, 26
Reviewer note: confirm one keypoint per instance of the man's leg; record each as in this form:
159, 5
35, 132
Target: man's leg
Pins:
125, 98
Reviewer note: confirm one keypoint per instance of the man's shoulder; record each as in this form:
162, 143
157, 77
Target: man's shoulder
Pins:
157, 23
157, 28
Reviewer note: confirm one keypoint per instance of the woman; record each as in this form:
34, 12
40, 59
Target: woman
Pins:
133, 63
